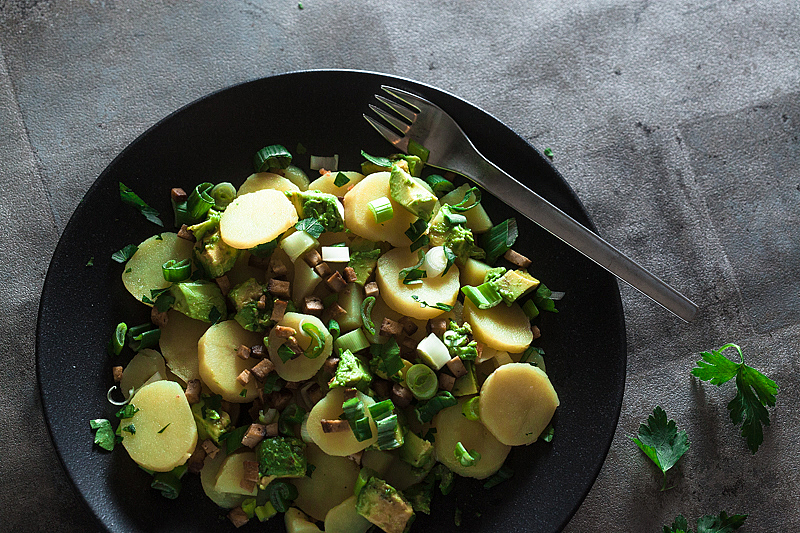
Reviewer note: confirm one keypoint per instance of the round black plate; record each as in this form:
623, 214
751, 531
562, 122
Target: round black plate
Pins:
214, 139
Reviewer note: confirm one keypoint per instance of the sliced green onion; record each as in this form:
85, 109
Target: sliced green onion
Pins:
439, 184
180, 212
451, 258
355, 341
416, 229
470, 409
274, 156
461, 206
387, 433
249, 507
381, 209
168, 483
466, 458
273, 381
341, 179
530, 309
200, 201
353, 408
145, 340
265, 512
501, 475
117, 340
281, 495
455, 219
366, 314
334, 329
419, 243
331, 163
317, 340
499, 239
542, 299
285, 353
422, 382
427, 410
290, 417
484, 296
361, 429
223, 194
435, 261
377, 160
415, 148
264, 250
381, 409
177, 270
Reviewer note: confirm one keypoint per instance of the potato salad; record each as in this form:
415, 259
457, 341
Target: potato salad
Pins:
330, 350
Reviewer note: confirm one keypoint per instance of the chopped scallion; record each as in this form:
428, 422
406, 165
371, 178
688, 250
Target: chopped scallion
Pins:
455, 219
281, 495
381, 409
147, 339
355, 341
175, 271
415, 148
285, 353
499, 239
274, 156
415, 273
317, 345
470, 409
422, 382
439, 184
223, 194
530, 309
466, 458
366, 314
416, 229
117, 340
387, 433
167, 483
341, 179
484, 296
335, 254
381, 209
427, 410
462, 205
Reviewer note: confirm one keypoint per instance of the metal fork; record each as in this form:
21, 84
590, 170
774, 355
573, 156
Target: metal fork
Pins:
450, 149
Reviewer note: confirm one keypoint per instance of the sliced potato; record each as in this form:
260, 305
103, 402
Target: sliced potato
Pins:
256, 218
300, 368
141, 369
297, 522
266, 180
332, 481
344, 442
401, 297
242, 271
208, 479
477, 218
503, 328
473, 272
453, 427
220, 366
143, 270
517, 402
178, 343
163, 433
325, 183
359, 218
345, 519
231, 473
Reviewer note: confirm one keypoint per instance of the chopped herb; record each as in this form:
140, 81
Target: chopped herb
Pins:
366, 314
214, 315
130, 428
451, 258
126, 253
312, 226
132, 199
416, 229
755, 391
300, 6
341, 179
386, 361
548, 152
90, 262
380, 161
165, 427
422, 303
128, 270
127, 411
310, 470
117, 340
708, 524
285, 353
164, 302
461, 206
159, 237
419, 243
243, 393
415, 273
104, 437
661, 441
501, 475
547, 434
543, 300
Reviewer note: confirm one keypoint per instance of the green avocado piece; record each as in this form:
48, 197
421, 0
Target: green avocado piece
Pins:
282, 457
457, 237
411, 194
416, 451
513, 284
351, 372
384, 506
364, 264
211, 423
245, 298
468, 383
319, 205
197, 299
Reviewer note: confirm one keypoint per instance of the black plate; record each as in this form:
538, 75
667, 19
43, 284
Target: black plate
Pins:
214, 139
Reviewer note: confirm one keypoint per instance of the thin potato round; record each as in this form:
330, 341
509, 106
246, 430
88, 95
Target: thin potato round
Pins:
220, 366
345, 519
359, 218
266, 180
162, 432
517, 402
242, 271
143, 271
256, 218
325, 183
141, 369
208, 479
342, 443
332, 481
231, 473
401, 297
300, 368
504, 328
453, 427
178, 344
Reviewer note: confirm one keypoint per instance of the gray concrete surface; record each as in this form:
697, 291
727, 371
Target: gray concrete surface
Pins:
676, 122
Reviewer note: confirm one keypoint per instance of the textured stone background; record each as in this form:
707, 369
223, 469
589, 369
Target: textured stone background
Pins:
676, 122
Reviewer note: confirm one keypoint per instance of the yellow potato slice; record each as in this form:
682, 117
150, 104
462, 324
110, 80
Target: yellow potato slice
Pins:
345, 519
344, 442
208, 479
359, 218
504, 328
325, 183
300, 368
517, 402
473, 272
178, 344
231, 474
165, 432
297, 522
453, 427
400, 297
220, 366
266, 180
143, 271
256, 218
332, 481
242, 271
141, 369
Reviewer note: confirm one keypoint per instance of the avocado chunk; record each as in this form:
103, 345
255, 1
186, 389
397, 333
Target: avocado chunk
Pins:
198, 299
457, 237
411, 194
282, 457
514, 284
351, 373
468, 383
212, 422
245, 297
364, 264
321, 206
416, 451
211, 252
384, 506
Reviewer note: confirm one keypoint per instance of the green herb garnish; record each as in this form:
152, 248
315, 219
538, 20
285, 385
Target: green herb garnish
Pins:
312, 226
104, 436
708, 524
132, 199
126, 253
661, 441
341, 179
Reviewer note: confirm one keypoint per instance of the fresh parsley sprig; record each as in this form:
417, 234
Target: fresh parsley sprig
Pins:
661, 441
132, 199
721, 523
754, 391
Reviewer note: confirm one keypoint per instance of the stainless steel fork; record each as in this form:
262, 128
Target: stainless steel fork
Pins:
450, 149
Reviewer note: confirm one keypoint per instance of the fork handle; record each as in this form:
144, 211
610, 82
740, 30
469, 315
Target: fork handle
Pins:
555, 221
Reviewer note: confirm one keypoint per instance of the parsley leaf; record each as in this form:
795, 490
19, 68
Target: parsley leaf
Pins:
380, 161
422, 303
104, 437
661, 441
90, 262
708, 524
341, 179
126, 253
755, 391
132, 199
310, 225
